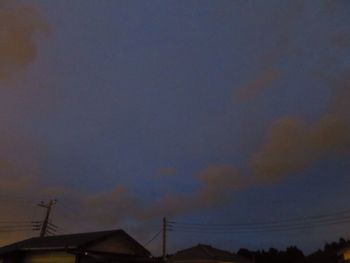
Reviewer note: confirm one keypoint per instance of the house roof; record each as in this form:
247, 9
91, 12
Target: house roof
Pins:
206, 252
71, 241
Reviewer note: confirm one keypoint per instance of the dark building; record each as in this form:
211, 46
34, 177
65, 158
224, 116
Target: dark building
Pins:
206, 254
106, 246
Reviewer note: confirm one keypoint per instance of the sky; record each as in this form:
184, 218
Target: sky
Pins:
208, 112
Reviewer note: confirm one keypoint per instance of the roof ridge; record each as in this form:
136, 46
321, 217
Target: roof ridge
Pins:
84, 233
203, 247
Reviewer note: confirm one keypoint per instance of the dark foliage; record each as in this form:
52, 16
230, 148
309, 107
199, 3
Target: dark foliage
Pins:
329, 254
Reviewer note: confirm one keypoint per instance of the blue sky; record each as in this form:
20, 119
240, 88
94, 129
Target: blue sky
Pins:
127, 111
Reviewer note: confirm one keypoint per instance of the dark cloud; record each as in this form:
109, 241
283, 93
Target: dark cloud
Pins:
21, 166
19, 26
292, 145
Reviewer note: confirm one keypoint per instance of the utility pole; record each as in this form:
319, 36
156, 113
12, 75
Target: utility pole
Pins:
45, 224
164, 238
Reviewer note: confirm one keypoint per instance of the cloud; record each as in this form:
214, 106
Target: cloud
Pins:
19, 162
15, 184
19, 26
112, 206
17, 204
291, 145
21, 186
21, 181
216, 184
170, 206
269, 73
258, 84
166, 171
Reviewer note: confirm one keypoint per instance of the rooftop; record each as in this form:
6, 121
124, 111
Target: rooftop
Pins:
206, 252
70, 241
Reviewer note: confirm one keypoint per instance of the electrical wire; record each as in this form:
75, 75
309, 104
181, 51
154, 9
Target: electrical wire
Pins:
293, 224
152, 239
263, 227
14, 226
15, 230
260, 230
308, 218
15, 222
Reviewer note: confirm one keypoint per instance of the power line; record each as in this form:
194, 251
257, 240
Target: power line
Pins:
284, 228
153, 238
261, 223
26, 226
15, 222
71, 216
17, 198
15, 230
261, 227
291, 224
18, 226
15, 226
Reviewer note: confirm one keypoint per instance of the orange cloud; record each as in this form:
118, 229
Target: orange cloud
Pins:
258, 84
218, 182
16, 184
19, 26
112, 206
291, 145
216, 185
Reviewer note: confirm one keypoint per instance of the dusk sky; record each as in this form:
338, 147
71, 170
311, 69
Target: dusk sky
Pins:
210, 112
